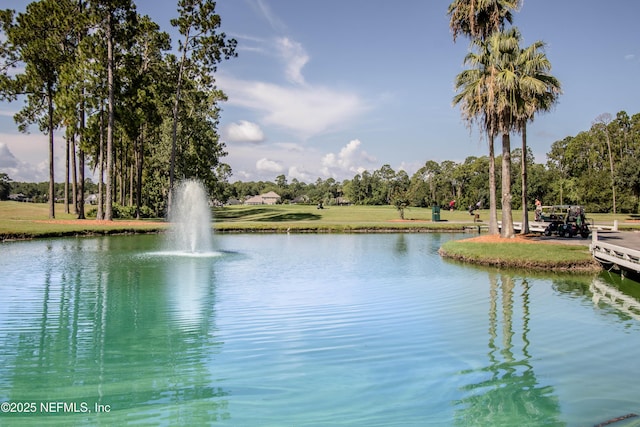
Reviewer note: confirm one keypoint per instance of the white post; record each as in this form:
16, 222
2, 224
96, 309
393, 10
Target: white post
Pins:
615, 225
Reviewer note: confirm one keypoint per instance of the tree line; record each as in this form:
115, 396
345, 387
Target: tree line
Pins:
597, 168
142, 116
138, 114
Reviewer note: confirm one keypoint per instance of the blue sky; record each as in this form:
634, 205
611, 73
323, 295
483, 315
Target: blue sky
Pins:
328, 89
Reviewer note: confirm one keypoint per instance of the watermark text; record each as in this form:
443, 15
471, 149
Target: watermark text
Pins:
53, 407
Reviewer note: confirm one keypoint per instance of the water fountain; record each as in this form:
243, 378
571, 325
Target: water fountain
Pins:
190, 218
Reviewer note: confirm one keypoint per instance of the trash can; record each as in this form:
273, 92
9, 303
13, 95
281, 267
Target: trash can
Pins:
435, 213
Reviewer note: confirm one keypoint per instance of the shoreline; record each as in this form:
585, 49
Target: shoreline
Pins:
481, 250
494, 257
50, 228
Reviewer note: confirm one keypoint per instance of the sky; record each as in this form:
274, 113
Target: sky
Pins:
328, 89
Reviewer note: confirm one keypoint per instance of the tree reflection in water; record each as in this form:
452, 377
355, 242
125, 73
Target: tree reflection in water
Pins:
506, 390
114, 333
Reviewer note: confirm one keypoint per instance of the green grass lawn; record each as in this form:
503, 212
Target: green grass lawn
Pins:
539, 256
30, 220
333, 218
27, 220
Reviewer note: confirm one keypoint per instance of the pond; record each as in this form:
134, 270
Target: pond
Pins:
307, 330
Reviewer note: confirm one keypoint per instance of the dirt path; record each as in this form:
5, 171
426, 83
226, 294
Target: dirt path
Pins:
102, 223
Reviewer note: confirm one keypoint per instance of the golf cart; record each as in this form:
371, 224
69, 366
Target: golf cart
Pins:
563, 220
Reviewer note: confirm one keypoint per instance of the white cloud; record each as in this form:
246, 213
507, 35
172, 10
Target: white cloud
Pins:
266, 12
348, 160
290, 146
306, 111
18, 170
306, 164
243, 131
29, 154
410, 167
7, 159
630, 57
295, 59
300, 174
291, 107
268, 165
242, 176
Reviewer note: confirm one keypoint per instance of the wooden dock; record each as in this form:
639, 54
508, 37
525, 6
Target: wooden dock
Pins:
615, 249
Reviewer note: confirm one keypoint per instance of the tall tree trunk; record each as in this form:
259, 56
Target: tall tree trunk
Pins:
108, 215
131, 183
52, 192
174, 128
507, 217
121, 171
100, 214
81, 156
74, 176
523, 163
81, 186
139, 163
613, 180
66, 175
493, 199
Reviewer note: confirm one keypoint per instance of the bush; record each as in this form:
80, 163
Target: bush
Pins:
124, 212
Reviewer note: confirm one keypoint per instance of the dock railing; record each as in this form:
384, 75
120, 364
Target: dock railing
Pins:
540, 226
611, 255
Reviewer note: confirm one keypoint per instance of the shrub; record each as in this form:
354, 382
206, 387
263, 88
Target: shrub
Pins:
124, 212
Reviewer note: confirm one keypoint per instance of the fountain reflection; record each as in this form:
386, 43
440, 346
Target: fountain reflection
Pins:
110, 329
190, 290
506, 389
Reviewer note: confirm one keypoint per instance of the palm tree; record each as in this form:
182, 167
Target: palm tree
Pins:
488, 93
539, 91
504, 50
492, 91
475, 93
478, 19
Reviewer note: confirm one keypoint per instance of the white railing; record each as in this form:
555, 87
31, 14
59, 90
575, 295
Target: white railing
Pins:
615, 255
539, 226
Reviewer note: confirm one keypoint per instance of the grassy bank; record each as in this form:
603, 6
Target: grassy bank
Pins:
31, 220
521, 253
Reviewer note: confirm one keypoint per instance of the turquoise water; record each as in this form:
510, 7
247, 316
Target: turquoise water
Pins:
307, 330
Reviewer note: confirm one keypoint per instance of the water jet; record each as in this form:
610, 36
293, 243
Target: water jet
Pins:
190, 218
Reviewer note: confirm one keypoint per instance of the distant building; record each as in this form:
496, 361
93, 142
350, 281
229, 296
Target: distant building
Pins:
270, 198
341, 201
